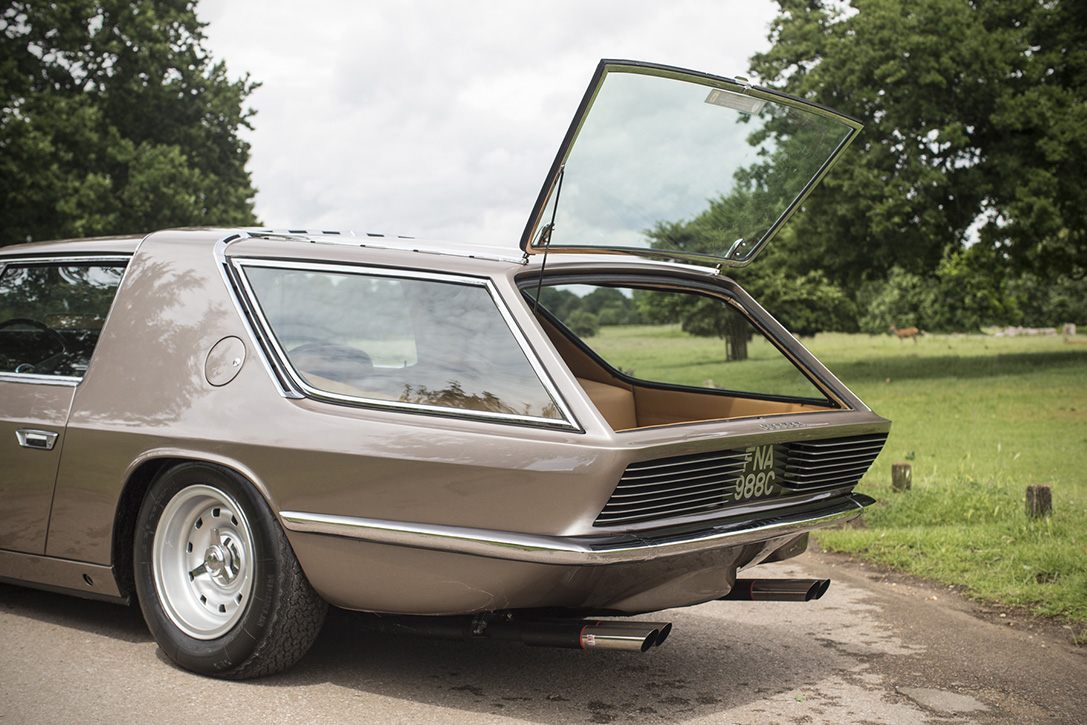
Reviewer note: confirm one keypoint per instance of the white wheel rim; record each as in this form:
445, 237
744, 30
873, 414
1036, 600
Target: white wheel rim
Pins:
203, 561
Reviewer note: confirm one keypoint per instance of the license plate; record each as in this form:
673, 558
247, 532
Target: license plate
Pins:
757, 480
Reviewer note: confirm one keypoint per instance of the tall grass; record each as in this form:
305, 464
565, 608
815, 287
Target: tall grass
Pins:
979, 418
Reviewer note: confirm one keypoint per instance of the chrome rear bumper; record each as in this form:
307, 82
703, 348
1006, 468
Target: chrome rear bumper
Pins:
577, 550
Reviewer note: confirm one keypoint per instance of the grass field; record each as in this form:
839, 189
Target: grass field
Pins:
979, 418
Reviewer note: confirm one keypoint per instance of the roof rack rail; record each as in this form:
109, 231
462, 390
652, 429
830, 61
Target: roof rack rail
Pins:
315, 232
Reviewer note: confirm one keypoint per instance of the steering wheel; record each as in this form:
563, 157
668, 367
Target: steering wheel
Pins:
41, 327
331, 360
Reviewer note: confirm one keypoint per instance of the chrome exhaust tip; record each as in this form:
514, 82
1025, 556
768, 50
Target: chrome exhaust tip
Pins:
629, 636
777, 590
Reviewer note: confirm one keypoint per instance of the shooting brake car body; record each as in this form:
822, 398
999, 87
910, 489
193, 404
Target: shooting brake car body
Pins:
237, 426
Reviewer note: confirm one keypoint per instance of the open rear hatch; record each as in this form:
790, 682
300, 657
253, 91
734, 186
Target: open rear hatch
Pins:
674, 164
666, 162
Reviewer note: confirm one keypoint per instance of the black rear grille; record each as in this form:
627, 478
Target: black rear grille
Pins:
830, 463
705, 482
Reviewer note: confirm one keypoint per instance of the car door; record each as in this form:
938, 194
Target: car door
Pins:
51, 313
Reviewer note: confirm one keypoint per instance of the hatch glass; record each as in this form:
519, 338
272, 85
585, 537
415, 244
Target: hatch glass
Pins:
665, 162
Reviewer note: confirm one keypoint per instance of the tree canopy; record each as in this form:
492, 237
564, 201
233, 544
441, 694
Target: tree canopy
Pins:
976, 131
115, 119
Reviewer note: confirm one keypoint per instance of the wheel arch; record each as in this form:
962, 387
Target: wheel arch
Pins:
138, 480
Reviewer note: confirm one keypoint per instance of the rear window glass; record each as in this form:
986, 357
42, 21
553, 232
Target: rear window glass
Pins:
411, 342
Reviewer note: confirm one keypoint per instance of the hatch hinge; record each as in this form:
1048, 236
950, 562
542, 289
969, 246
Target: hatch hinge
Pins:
734, 250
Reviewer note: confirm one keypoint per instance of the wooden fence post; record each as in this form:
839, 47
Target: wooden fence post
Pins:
901, 476
1039, 501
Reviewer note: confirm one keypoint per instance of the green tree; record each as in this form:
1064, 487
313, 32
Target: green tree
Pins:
582, 323
560, 302
698, 315
611, 307
965, 293
805, 302
1049, 305
976, 125
114, 119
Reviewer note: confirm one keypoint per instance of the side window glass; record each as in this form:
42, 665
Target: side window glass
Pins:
51, 315
409, 342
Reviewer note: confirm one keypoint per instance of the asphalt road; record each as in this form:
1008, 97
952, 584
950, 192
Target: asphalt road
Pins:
878, 648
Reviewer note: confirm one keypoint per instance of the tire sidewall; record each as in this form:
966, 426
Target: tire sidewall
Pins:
229, 652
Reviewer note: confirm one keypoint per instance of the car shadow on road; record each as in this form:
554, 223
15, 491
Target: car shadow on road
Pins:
721, 656
88, 615
708, 666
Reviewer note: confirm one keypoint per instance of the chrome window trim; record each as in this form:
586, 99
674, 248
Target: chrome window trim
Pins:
575, 550
62, 258
277, 376
390, 243
566, 422
105, 259
33, 379
712, 286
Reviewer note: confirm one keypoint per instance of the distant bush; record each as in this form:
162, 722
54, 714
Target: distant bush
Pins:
1049, 303
583, 323
968, 291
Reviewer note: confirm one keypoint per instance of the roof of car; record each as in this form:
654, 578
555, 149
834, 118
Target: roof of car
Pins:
92, 245
331, 245
128, 244
399, 243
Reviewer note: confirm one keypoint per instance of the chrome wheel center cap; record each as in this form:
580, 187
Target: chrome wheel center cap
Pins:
219, 562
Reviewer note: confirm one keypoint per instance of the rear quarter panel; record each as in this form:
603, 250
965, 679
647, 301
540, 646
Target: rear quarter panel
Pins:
145, 397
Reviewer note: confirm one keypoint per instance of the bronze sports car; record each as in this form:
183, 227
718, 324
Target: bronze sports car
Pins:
236, 428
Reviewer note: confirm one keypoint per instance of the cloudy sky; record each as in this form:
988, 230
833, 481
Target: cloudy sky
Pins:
439, 118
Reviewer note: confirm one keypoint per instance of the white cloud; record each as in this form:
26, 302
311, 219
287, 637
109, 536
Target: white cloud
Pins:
439, 118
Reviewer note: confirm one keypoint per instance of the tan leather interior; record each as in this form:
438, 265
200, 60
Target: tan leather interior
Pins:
665, 407
616, 404
625, 405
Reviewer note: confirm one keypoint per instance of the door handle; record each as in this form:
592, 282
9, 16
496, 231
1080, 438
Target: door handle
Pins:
42, 440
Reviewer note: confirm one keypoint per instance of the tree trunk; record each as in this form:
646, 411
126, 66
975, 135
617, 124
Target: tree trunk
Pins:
736, 334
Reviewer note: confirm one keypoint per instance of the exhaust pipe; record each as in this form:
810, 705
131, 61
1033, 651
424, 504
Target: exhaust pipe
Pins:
577, 634
629, 636
562, 633
777, 590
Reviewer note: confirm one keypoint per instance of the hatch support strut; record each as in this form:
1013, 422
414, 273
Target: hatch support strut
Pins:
546, 234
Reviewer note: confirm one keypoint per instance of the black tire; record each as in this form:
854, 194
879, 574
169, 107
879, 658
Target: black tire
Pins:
218, 583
